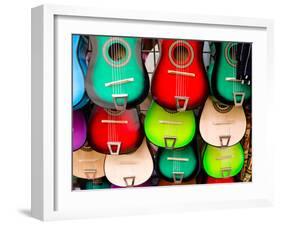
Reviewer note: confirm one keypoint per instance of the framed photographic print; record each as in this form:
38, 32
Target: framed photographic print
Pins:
133, 113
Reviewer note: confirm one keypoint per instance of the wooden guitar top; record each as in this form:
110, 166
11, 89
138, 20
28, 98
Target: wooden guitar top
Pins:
88, 164
129, 170
222, 126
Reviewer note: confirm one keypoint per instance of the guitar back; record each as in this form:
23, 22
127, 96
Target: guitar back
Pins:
113, 132
129, 169
177, 165
88, 164
225, 85
116, 76
222, 125
79, 129
223, 162
180, 73
169, 130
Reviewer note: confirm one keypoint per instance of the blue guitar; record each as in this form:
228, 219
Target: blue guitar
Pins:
79, 71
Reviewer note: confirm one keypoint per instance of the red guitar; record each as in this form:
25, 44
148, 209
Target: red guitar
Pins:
179, 81
114, 132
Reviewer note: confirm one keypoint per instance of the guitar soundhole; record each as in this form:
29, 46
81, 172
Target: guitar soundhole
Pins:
113, 112
117, 52
180, 54
222, 108
231, 54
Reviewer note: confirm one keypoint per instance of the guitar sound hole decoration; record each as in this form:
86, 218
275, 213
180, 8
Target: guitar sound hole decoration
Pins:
159, 112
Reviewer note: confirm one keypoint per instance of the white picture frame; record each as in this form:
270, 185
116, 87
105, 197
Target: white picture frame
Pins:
52, 197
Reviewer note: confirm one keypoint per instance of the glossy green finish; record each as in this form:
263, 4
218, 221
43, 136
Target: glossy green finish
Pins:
167, 166
103, 69
104, 184
221, 162
211, 65
225, 67
182, 126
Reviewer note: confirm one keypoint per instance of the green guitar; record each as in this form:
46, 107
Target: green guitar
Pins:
222, 162
177, 165
167, 129
224, 83
116, 76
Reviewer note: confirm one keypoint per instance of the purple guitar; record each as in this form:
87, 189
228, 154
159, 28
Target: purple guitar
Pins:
79, 130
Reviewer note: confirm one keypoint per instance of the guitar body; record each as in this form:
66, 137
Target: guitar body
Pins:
97, 184
79, 70
222, 125
225, 85
114, 132
179, 81
88, 164
169, 130
130, 169
177, 165
223, 162
79, 130
211, 180
116, 78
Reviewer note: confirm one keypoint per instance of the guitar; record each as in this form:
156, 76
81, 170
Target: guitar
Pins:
222, 162
100, 183
244, 62
222, 125
79, 70
88, 164
179, 81
114, 132
211, 180
79, 129
129, 170
116, 77
177, 165
169, 129
225, 85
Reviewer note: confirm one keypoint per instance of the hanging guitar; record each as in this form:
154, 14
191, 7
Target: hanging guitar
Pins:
225, 86
116, 78
179, 81
244, 63
177, 165
129, 170
79, 70
222, 125
88, 164
114, 132
222, 162
169, 129
79, 129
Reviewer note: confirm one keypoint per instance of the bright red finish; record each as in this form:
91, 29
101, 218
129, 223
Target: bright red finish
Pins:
165, 86
130, 134
211, 180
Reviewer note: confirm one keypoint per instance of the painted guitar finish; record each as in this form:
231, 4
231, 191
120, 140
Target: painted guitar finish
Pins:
225, 85
223, 162
222, 125
112, 132
129, 169
100, 184
211, 180
79, 70
169, 130
177, 165
179, 82
88, 164
79, 130
116, 78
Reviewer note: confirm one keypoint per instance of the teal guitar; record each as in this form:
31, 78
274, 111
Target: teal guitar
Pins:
79, 70
222, 75
177, 165
116, 77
